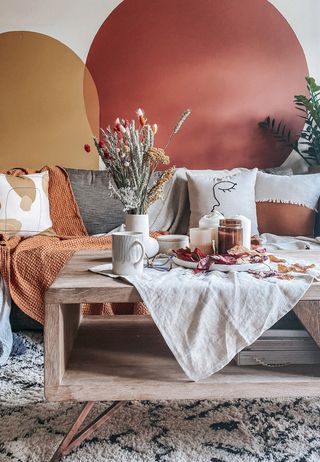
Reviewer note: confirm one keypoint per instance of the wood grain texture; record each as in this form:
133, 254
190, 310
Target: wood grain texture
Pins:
125, 357
61, 326
309, 315
52, 347
76, 284
70, 318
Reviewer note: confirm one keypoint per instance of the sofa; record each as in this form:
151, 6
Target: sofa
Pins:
91, 187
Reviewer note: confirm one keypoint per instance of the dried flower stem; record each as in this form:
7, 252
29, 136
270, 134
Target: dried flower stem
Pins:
130, 157
155, 193
180, 122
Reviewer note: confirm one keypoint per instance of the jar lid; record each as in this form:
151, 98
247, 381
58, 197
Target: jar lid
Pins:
230, 222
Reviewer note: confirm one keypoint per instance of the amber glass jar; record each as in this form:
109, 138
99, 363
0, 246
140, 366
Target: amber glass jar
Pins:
230, 233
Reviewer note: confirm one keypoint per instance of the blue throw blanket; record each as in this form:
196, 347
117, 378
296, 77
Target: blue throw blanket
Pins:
6, 338
10, 344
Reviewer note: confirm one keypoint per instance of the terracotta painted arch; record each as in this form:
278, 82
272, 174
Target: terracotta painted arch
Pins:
232, 62
43, 117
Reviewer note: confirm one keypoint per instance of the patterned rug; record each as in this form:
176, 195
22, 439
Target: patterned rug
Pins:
176, 431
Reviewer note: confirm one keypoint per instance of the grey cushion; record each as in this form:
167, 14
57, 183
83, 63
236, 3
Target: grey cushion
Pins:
100, 212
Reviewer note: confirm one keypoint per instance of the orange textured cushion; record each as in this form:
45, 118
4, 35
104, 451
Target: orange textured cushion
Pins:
285, 219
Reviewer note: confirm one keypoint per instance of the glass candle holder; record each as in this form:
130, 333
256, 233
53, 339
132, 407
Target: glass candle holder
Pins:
246, 227
202, 239
212, 220
230, 233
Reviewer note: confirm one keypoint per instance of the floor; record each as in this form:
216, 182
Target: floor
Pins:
177, 431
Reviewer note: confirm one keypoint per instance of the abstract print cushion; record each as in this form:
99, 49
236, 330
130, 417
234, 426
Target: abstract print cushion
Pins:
229, 192
287, 205
24, 204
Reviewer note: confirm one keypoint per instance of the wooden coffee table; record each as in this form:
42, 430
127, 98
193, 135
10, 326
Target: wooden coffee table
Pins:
120, 358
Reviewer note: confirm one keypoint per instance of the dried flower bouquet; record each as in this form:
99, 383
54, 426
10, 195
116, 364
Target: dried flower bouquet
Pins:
131, 158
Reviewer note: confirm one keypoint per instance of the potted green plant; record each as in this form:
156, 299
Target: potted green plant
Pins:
307, 143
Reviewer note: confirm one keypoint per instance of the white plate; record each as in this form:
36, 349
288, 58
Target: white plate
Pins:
225, 268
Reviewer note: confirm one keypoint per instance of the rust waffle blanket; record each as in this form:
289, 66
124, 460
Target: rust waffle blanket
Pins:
30, 265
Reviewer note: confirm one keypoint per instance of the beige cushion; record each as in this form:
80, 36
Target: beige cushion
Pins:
285, 219
287, 205
24, 204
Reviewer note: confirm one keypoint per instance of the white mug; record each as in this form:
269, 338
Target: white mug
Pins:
127, 253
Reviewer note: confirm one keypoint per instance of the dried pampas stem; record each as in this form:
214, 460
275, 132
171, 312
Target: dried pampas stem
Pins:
180, 122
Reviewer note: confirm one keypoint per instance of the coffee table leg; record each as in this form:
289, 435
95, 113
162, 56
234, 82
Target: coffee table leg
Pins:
74, 439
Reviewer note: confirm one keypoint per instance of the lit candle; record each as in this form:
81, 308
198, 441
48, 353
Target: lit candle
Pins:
202, 239
246, 227
212, 221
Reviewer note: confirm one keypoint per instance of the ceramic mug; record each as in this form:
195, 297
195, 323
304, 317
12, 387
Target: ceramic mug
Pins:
127, 253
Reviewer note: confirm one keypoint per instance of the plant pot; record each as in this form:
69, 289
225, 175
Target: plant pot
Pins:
140, 223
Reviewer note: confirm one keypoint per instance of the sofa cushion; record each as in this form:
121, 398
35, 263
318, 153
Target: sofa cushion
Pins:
285, 219
229, 192
287, 205
24, 204
100, 212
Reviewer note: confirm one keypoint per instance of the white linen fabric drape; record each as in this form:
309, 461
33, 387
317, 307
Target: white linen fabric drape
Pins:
206, 319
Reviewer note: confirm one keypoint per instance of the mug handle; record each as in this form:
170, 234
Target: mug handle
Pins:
142, 252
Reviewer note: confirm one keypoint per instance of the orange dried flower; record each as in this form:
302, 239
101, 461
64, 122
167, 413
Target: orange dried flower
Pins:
141, 117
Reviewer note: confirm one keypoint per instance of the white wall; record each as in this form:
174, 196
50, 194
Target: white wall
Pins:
76, 23
304, 18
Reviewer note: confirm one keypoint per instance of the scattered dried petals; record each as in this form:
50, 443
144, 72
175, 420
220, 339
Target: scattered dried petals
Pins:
188, 255
268, 274
283, 268
295, 268
275, 259
261, 274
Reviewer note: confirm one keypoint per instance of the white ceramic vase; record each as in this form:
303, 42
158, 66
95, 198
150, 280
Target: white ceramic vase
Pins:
140, 223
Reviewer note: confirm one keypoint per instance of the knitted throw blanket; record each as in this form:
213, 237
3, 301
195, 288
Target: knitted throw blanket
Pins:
30, 265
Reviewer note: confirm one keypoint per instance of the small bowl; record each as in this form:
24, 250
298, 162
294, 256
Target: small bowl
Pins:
169, 242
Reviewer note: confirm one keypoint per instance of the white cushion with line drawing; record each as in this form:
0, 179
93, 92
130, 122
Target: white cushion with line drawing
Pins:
231, 192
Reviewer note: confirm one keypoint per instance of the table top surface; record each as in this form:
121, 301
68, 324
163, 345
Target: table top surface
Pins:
76, 284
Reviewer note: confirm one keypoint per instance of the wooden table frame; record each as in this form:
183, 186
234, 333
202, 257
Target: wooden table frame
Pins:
120, 358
